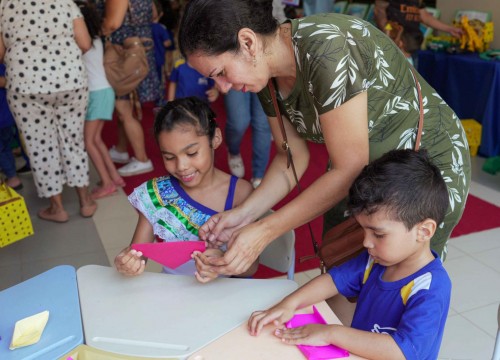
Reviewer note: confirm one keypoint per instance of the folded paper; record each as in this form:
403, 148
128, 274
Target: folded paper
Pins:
316, 352
170, 254
29, 330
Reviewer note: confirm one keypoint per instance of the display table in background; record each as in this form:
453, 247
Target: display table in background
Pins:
54, 290
471, 86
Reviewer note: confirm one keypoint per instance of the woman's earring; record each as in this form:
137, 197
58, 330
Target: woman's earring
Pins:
254, 61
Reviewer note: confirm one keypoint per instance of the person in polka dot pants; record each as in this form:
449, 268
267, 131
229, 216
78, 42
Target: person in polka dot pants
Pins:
41, 43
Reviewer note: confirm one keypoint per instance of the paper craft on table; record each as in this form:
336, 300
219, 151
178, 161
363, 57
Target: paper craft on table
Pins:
170, 254
28, 331
315, 352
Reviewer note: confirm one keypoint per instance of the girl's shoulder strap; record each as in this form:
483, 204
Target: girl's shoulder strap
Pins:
230, 193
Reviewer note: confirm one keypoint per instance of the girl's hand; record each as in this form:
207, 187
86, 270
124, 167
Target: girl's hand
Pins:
203, 273
312, 334
130, 262
278, 315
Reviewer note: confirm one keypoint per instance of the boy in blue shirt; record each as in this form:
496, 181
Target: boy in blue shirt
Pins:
402, 287
186, 81
162, 41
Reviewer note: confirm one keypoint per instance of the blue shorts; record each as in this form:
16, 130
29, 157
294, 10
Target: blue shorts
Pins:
101, 105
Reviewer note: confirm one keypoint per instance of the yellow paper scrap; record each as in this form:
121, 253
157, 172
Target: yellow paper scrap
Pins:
29, 330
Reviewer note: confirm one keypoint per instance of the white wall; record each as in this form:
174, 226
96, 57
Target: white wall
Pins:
448, 8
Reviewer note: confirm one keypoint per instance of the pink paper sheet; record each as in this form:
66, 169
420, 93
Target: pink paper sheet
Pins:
315, 352
170, 254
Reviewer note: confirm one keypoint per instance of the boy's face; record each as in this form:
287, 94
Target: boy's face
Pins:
388, 241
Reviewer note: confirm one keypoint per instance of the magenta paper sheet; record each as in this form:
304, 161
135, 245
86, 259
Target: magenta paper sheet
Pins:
316, 352
170, 254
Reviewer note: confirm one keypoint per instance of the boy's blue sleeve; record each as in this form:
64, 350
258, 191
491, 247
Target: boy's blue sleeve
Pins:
164, 34
211, 83
174, 75
348, 277
421, 328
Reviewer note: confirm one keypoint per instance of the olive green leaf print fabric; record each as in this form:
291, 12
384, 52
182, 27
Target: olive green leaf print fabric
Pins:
337, 58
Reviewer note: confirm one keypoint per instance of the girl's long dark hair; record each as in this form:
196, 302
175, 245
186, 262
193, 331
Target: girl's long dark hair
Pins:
91, 17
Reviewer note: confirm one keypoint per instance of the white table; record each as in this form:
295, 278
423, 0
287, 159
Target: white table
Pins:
160, 315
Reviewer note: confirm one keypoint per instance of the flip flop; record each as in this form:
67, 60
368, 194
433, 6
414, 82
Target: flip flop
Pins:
120, 183
59, 217
87, 211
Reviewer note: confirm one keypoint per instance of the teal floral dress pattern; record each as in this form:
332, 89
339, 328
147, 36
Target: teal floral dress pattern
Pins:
338, 57
174, 215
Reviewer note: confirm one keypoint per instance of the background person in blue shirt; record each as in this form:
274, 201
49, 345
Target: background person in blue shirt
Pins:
162, 41
402, 287
186, 81
7, 161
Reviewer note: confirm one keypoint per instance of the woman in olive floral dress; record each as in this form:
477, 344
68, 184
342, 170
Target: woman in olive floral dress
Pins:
340, 82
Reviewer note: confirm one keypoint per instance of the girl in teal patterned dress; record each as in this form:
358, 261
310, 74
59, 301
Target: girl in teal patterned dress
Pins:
340, 82
173, 207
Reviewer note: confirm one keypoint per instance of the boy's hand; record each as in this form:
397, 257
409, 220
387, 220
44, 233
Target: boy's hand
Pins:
130, 262
278, 315
312, 334
203, 273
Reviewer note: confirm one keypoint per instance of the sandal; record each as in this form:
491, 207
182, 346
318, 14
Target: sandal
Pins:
120, 182
58, 217
100, 192
87, 211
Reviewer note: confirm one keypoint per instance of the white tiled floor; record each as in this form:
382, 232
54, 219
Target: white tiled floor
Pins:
473, 261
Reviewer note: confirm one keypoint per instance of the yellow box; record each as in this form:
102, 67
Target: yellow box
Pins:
473, 132
85, 352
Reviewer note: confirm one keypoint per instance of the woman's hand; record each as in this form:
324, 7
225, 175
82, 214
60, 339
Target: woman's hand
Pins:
203, 273
219, 228
278, 315
244, 248
312, 334
130, 262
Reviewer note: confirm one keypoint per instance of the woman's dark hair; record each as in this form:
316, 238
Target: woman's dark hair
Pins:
212, 26
405, 184
91, 17
191, 111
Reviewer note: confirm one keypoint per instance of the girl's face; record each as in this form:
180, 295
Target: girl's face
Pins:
188, 156
388, 241
232, 71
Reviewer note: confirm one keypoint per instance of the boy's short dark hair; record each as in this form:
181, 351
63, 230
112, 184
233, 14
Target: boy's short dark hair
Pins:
405, 183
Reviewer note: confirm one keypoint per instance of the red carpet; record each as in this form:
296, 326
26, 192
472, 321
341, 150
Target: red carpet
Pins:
478, 215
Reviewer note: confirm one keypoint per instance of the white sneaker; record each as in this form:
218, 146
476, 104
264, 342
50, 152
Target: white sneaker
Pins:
256, 182
118, 156
136, 167
236, 165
